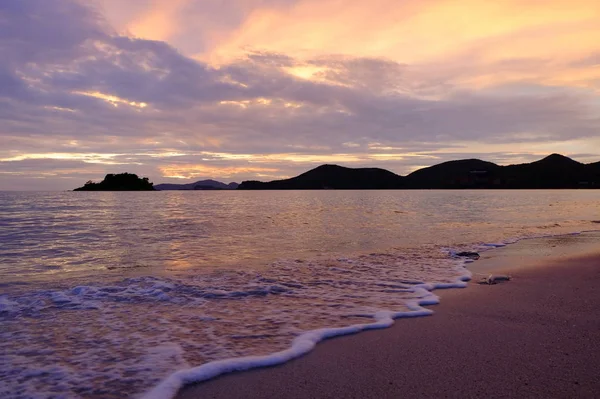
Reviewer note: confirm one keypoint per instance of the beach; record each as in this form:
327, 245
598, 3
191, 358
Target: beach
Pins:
537, 335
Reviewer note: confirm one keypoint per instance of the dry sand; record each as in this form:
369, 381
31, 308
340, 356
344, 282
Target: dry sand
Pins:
535, 336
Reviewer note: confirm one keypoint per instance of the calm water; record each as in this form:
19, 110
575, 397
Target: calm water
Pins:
104, 294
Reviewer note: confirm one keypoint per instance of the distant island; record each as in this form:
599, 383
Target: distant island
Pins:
552, 172
119, 182
199, 185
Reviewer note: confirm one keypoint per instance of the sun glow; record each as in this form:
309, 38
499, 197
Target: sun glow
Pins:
308, 72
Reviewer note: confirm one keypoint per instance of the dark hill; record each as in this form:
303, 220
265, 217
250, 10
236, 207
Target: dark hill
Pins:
332, 177
553, 171
466, 173
119, 182
592, 171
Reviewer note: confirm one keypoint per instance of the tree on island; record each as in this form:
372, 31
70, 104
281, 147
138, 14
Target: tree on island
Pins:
119, 182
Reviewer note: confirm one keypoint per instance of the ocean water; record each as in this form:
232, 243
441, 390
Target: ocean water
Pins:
108, 294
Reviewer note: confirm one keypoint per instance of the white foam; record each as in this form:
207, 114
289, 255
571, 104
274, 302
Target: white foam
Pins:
303, 344
168, 324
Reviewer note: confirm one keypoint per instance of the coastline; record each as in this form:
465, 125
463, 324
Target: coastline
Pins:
533, 336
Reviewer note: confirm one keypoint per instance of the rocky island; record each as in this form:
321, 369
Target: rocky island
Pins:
119, 182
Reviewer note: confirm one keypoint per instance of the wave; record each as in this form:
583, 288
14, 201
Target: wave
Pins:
126, 335
304, 343
301, 345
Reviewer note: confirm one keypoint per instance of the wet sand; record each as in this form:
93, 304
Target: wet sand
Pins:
537, 335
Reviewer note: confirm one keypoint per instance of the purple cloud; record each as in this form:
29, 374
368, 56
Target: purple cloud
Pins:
70, 84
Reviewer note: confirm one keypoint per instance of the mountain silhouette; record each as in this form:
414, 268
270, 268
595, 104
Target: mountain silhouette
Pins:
551, 172
554, 171
199, 185
594, 170
465, 173
332, 177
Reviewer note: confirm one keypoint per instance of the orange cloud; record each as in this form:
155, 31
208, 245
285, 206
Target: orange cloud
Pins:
413, 31
430, 35
190, 171
159, 22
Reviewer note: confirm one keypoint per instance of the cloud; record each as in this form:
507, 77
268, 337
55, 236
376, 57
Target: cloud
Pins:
74, 89
414, 31
159, 21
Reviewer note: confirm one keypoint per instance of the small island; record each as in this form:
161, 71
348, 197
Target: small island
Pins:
119, 182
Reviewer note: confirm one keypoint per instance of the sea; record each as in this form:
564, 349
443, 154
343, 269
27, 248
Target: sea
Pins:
133, 294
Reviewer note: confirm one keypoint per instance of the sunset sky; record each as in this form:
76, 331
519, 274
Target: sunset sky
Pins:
183, 90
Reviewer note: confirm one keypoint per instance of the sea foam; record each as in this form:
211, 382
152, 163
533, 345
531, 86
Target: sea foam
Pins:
301, 345
128, 335
125, 335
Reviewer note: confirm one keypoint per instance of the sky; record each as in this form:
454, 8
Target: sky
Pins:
185, 90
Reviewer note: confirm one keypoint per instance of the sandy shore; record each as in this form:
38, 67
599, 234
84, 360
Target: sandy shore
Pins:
535, 336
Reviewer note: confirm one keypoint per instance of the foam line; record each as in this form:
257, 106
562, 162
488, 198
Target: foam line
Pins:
173, 306
305, 342
302, 344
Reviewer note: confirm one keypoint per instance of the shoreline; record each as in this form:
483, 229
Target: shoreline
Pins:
515, 328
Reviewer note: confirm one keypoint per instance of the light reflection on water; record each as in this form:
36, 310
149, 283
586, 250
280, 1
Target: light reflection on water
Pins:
54, 233
104, 294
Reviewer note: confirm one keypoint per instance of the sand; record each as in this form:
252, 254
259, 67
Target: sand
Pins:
535, 336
